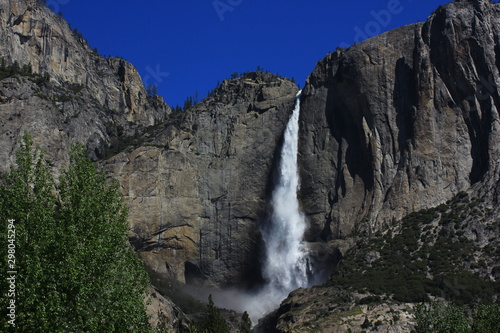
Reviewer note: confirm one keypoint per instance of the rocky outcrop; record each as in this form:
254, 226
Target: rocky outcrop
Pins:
197, 186
402, 121
329, 310
163, 314
77, 94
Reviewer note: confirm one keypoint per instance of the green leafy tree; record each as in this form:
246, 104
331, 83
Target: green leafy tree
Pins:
107, 294
26, 196
77, 272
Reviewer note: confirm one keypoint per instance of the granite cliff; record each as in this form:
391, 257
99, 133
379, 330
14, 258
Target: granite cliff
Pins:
60, 91
402, 121
197, 186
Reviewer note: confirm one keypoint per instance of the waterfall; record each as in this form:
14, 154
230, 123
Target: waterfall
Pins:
285, 266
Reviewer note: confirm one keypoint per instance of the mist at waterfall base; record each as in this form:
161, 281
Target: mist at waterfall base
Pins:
286, 264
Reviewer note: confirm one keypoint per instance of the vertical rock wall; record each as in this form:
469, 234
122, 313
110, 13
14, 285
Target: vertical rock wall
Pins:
198, 187
402, 121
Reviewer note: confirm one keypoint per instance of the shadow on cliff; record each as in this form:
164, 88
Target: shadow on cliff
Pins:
347, 112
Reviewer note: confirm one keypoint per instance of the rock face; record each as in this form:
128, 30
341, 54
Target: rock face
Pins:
197, 187
196, 183
78, 95
402, 121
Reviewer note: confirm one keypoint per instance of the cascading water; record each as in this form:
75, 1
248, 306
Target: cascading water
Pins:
285, 266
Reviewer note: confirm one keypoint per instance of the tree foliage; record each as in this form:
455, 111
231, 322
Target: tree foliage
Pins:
76, 270
486, 318
152, 90
15, 69
246, 323
441, 317
421, 258
213, 322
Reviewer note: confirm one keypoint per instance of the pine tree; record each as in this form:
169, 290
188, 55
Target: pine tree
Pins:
246, 323
151, 90
188, 103
213, 321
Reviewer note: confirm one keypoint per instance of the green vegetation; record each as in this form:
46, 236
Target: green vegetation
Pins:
427, 255
76, 271
446, 317
212, 322
246, 324
352, 312
152, 90
14, 69
120, 141
190, 102
75, 87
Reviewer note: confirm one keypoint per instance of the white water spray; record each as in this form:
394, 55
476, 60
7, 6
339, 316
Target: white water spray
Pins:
285, 267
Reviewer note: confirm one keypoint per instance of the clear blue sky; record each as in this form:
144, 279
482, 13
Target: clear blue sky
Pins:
184, 46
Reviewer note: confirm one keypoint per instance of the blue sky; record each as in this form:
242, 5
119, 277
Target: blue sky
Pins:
184, 46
